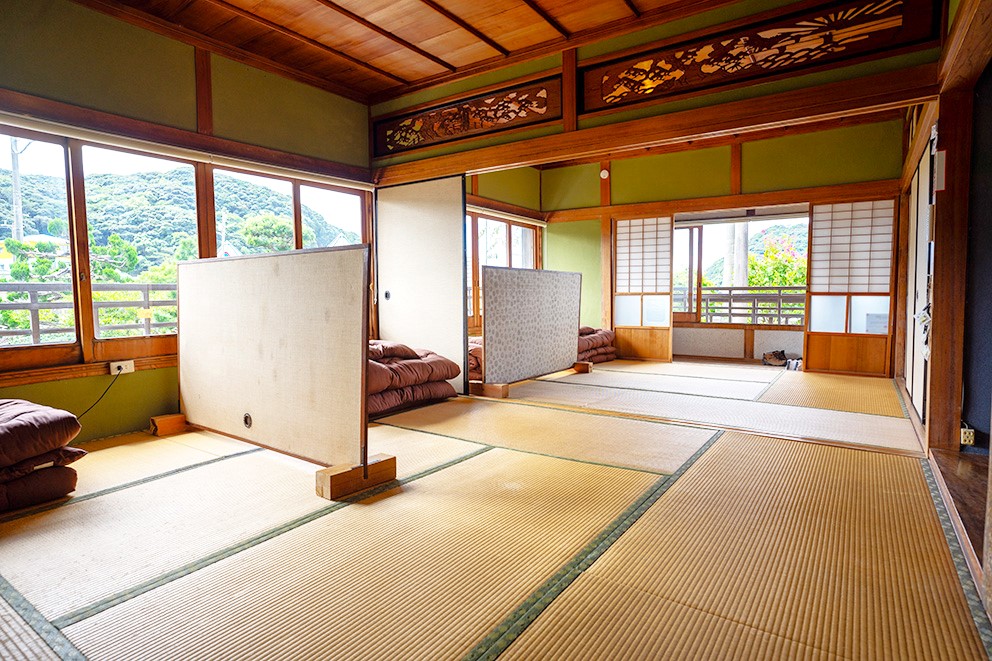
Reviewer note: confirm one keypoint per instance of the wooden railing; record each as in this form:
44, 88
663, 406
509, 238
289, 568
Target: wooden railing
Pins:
58, 296
779, 306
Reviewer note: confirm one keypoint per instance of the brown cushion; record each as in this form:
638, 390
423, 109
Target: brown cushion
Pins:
59, 457
40, 486
28, 429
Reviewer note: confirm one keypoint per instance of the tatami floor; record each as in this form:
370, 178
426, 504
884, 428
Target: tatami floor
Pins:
641, 511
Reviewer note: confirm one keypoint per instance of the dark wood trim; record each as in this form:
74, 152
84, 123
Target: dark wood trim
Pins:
96, 120
736, 183
749, 343
473, 199
547, 18
605, 185
205, 210
61, 373
313, 43
918, 142
569, 90
297, 217
464, 25
968, 48
163, 27
204, 92
870, 94
387, 34
633, 8
871, 190
606, 266
125, 348
85, 327
949, 282
900, 292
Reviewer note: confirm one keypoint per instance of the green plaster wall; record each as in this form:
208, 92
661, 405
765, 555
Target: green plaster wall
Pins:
676, 176
868, 152
58, 50
575, 247
127, 407
520, 186
264, 109
571, 187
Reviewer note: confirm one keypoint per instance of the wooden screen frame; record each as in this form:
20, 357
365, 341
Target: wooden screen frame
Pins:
692, 316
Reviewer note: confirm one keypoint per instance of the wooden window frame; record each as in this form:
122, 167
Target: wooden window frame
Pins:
692, 316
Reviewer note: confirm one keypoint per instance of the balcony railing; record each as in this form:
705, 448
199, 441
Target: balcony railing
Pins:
42, 297
779, 306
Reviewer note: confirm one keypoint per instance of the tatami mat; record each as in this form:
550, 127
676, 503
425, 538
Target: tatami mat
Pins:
419, 572
634, 444
747, 390
694, 369
768, 548
857, 394
775, 419
100, 547
18, 641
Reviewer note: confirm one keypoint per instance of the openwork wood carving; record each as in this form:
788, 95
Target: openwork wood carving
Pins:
832, 33
508, 108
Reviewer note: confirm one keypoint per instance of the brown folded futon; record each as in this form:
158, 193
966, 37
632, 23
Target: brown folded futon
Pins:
34, 453
596, 345
400, 377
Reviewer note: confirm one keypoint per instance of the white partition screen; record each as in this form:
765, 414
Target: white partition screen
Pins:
272, 349
420, 268
530, 324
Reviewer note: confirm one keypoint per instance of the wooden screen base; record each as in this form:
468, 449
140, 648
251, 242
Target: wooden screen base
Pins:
495, 390
337, 482
166, 425
582, 367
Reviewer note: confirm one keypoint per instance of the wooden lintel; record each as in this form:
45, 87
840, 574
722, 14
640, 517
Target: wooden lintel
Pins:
338, 482
869, 94
494, 390
166, 425
968, 48
582, 367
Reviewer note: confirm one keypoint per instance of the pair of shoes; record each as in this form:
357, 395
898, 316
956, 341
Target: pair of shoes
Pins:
776, 358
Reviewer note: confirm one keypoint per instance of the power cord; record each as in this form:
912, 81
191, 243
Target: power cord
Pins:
120, 370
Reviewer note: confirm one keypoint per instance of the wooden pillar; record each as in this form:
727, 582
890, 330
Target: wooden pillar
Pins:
606, 243
950, 250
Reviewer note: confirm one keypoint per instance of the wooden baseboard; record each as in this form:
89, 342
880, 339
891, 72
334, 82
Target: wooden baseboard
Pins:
337, 482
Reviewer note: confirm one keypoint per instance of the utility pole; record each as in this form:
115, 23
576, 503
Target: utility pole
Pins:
15, 178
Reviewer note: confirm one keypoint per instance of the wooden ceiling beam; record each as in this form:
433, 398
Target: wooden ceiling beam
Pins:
164, 27
870, 94
386, 33
968, 47
275, 27
460, 22
547, 18
633, 8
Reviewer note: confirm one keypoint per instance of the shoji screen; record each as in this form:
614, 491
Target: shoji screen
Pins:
849, 282
642, 301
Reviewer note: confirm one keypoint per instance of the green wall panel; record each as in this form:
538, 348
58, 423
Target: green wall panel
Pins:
575, 247
261, 108
868, 152
61, 51
676, 176
570, 187
127, 407
520, 186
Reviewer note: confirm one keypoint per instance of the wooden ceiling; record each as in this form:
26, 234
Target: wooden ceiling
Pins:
371, 50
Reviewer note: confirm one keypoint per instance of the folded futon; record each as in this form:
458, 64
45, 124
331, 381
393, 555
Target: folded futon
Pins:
400, 377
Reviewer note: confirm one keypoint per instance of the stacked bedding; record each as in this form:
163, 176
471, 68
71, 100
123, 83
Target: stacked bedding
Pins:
596, 345
400, 377
34, 456
475, 358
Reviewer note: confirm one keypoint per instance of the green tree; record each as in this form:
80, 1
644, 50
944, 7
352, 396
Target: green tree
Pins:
58, 227
268, 232
780, 266
113, 262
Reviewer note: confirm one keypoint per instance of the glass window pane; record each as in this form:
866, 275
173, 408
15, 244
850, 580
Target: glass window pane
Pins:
330, 218
627, 310
253, 214
827, 314
468, 266
522, 243
141, 218
36, 284
870, 314
656, 311
492, 243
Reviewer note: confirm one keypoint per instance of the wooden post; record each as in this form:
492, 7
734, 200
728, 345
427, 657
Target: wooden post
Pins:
950, 250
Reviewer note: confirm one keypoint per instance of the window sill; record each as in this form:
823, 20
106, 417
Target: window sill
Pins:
63, 372
766, 327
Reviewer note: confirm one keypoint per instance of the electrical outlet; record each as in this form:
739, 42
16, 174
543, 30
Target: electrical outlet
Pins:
967, 437
122, 367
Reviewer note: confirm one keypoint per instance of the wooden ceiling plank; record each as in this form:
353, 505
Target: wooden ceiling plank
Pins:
275, 27
870, 94
454, 18
186, 35
633, 8
387, 34
547, 18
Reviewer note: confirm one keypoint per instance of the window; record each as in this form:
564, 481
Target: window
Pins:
331, 218
253, 214
494, 242
141, 221
36, 283
642, 291
742, 266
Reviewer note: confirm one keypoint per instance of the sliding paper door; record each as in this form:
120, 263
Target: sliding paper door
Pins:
420, 268
642, 296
